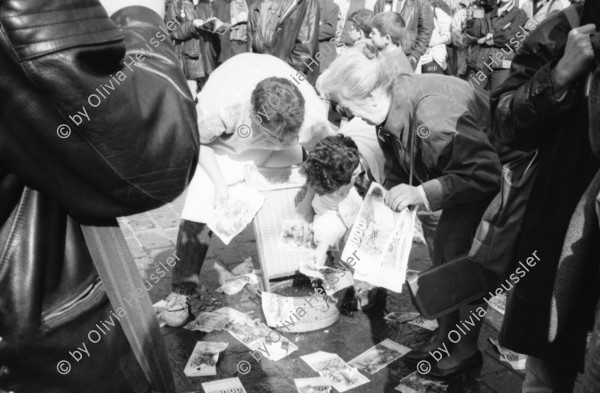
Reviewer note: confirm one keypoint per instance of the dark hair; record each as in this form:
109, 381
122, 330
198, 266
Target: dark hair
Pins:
278, 106
390, 23
362, 20
331, 163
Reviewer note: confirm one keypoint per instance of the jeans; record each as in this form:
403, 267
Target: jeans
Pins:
546, 377
193, 240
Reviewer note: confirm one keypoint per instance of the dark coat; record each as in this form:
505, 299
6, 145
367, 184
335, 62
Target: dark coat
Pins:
418, 17
132, 151
295, 39
227, 48
509, 33
527, 115
330, 13
454, 159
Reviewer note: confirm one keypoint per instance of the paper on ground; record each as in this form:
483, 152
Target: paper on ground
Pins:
379, 243
331, 367
334, 280
219, 319
312, 385
233, 285
203, 360
379, 356
262, 340
415, 383
414, 318
516, 360
227, 220
229, 385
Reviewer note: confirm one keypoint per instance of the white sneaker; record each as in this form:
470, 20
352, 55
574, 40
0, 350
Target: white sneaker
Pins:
177, 311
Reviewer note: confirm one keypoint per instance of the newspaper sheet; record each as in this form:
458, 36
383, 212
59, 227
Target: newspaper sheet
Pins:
203, 360
379, 243
379, 356
229, 385
229, 219
331, 367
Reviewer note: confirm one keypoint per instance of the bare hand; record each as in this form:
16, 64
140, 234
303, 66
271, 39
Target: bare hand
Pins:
403, 196
319, 255
576, 61
197, 23
221, 196
305, 211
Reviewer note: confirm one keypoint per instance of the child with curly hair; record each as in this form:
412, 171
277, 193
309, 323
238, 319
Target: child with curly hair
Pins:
331, 169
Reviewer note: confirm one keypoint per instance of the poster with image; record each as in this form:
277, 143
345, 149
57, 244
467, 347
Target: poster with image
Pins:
336, 371
228, 385
379, 356
312, 385
415, 383
380, 241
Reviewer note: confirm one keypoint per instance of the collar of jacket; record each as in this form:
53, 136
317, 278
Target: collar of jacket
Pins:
505, 10
399, 118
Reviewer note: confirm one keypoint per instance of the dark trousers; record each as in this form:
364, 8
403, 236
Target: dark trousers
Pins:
493, 79
193, 240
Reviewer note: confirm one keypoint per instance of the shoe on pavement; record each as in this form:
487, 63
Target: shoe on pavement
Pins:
416, 355
445, 374
177, 311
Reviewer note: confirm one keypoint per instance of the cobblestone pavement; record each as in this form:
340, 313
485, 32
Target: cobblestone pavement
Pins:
152, 238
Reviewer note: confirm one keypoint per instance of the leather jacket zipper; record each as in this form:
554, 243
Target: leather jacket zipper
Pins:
86, 298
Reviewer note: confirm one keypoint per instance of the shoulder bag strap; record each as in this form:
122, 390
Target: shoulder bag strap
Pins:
121, 279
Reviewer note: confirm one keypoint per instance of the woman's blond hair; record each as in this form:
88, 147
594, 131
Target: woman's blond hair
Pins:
355, 74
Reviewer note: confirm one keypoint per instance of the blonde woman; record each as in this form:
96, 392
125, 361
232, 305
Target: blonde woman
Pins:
455, 167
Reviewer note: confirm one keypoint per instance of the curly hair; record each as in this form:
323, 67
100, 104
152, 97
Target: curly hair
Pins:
278, 105
331, 164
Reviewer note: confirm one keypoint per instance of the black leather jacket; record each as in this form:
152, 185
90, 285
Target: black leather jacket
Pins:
132, 147
296, 36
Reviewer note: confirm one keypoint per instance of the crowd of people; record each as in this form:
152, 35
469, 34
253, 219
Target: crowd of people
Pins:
343, 87
472, 39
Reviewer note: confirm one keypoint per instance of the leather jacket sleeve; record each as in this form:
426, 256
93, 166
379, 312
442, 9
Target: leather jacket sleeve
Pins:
327, 28
424, 28
307, 40
100, 116
250, 26
525, 107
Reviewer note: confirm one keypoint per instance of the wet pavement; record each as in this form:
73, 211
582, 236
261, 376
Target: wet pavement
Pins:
152, 237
